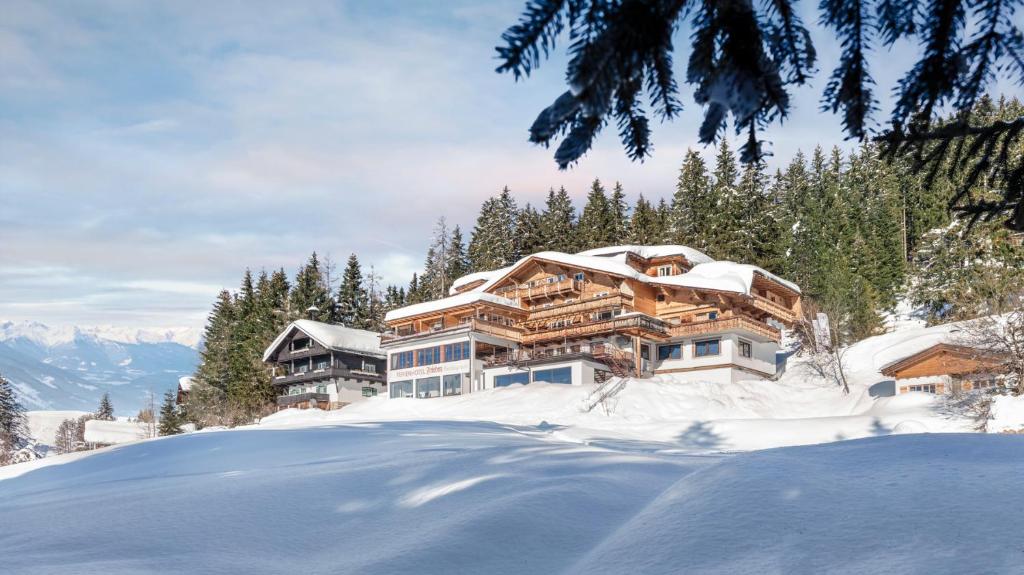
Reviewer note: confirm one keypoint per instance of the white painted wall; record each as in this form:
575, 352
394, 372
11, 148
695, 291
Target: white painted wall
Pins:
762, 358
582, 371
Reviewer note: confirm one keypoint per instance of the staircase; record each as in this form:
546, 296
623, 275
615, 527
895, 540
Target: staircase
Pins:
620, 363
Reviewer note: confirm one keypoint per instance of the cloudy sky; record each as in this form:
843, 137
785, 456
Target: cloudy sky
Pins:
151, 151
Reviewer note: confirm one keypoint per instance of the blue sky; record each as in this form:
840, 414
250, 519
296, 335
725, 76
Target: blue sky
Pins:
150, 151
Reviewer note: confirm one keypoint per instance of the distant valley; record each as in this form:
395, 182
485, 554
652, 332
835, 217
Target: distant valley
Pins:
69, 368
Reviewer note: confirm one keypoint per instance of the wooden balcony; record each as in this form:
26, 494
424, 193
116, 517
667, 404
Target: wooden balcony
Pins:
543, 290
642, 325
779, 311
334, 372
566, 309
739, 323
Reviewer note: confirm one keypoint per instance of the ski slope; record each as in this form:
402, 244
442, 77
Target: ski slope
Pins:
473, 497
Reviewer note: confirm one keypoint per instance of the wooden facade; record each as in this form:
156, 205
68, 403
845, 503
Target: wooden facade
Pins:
942, 368
557, 302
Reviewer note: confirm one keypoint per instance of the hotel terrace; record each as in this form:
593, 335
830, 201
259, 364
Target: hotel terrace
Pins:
584, 318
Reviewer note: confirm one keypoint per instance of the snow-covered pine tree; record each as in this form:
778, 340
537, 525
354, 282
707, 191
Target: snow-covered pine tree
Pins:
458, 262
725, 231
644, 225
170, 421
13, 424
493, 244
692, 206
352, 298
529, 232
105, 412
619, 214
309, 291
558, 222
596, 228
664, 213
757, 233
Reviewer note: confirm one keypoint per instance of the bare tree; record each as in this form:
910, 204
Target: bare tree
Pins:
998, 343
822, 342
149, 426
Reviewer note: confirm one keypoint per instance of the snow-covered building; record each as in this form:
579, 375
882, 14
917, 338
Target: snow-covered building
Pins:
316, 364
945, 368
582, 318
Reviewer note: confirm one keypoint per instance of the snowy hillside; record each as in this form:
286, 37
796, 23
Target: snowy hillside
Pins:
61, 368
465, 497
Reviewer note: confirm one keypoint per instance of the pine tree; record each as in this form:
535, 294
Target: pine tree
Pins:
493, 244
105, 412
214, 367
529, 232
352, 297
413, 294
13, 424
458, 262
248, 391
692, 206
597, 226
376, 304
619, 215
170, 421
726, 222
645, 225
558, 222
310, 290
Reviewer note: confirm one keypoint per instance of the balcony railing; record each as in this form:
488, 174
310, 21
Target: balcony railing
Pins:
471, 324
609, 301
526, 356
323, 374
640, 324
780, 311
288, 400
727, 324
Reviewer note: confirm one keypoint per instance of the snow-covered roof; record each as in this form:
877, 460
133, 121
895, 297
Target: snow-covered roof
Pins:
470, 278
332, 336
661, 251
448, 302
721, 276
185, 383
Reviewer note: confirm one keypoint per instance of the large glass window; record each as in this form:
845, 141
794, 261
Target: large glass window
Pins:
323, 362
706, 347
428, 355
401, 388
557, 375
456, 351
428, 387
512, 378
369, 392
673, 351
453, 384
401, 360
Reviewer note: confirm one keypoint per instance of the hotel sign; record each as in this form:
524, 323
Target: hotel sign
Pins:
437, 369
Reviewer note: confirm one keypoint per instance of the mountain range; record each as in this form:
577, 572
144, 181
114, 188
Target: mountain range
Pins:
70, 367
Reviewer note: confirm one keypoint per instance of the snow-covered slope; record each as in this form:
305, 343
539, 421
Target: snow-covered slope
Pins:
71, 367
450, 497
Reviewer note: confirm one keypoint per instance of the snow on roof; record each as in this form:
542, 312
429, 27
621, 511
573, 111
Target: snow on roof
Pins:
721, 276
185, 383
332, 336
470, 278
448, 302
694, 256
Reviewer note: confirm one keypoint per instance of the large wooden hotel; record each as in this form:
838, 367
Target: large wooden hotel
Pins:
583, 318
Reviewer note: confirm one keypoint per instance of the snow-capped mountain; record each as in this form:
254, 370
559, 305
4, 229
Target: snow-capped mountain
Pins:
71, 367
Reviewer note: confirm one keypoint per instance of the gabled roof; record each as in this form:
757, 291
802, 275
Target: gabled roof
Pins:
331, 336
960, 351
650, 252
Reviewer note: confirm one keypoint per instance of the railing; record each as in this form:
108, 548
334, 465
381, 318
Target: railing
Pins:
472, 324
544, 289
608, 301
728, 324
643, 323
321, 374
285, 400
778, 310
597, 351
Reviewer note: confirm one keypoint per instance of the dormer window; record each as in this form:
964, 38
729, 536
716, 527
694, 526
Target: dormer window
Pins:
665, 270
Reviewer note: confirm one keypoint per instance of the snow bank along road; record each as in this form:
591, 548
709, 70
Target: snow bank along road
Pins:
465, 497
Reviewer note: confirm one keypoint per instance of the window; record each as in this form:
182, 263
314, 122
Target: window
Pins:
456, 351
927, 388
511, 379
664, 271
301, 344
295, 390
428, 387
607, 314
369, 392
706, 347
428, 356
645, 351
323, 362
600, 294
713, 315
401, 360
661, 297
453, 384
369, 367
401, 388
302, 367
558, 375
745, 349
579, 277
321, 389
673, 351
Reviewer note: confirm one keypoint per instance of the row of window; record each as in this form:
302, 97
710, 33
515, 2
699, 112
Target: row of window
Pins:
322, 363
430, 355
703, 348
427, 387
556, 375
